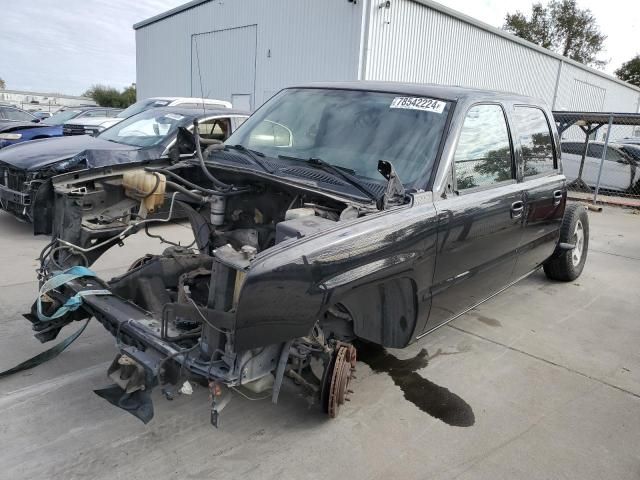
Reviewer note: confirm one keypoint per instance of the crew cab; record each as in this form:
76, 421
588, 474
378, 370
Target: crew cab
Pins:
337, 212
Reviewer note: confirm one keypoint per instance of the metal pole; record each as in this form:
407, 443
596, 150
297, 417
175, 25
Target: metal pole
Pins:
604, 155
584, 153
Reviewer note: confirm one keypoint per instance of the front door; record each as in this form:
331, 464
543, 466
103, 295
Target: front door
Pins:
616, 171
480, 226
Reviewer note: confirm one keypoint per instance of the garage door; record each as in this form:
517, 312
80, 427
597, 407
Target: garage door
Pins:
224, 61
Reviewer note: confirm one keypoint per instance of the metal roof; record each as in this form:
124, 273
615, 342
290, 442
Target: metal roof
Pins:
597, 117
430, 90
169, 13
194, 112
497, 31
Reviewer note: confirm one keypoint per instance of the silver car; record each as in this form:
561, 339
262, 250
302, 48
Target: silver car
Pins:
619, 172
93, 126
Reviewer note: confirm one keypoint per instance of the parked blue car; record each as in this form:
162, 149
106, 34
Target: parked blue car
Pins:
17, 126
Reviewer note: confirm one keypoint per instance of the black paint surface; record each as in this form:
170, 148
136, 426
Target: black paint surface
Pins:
437, 401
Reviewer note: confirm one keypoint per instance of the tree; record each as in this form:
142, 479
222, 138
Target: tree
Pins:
3, 85
562, 27
630, 71
111, 97
128, 95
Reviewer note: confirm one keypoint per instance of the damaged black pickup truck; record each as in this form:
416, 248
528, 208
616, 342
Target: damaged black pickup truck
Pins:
375, 212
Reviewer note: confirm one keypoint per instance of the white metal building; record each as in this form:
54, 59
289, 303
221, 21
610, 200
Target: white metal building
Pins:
49, 102
246, 50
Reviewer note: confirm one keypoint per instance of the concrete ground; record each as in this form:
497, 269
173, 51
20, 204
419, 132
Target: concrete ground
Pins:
545, 379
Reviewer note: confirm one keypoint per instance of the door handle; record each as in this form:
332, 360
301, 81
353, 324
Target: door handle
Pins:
516, 209
557, 197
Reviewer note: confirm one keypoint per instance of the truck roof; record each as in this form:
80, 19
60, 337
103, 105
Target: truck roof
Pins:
423, 90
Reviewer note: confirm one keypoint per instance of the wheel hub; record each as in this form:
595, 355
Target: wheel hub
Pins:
578, 240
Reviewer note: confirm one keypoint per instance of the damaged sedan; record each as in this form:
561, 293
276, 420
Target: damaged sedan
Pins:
26, 169
336, 213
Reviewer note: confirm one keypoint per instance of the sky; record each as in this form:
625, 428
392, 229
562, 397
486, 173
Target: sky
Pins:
66, 46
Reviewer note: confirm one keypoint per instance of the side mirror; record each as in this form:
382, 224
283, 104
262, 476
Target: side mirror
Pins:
271, 134
35, 120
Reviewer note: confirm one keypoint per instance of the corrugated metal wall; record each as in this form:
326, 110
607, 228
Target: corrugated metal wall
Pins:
314, 40
580, 89
293, 45
411, 41
415, 43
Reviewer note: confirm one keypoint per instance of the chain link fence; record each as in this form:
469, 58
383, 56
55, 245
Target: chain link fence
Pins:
601, 155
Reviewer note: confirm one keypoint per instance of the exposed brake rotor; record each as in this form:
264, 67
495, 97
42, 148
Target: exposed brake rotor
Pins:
339, 373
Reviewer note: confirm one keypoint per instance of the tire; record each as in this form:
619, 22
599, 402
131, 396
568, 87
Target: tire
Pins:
567, 265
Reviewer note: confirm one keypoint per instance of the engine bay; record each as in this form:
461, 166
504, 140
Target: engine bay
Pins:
175, 315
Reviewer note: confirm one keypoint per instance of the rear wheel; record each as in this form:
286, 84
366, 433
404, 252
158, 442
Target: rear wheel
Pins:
566, 265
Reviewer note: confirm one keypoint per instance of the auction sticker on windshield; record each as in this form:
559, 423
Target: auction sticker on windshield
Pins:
418, 103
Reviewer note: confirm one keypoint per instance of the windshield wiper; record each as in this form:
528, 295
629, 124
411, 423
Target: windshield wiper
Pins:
341, 172
254, 155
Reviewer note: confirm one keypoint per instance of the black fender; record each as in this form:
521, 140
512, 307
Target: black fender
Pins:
388, 255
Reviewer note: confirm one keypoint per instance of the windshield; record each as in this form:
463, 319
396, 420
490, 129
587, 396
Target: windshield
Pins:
16, 114
146, 129
349, 128
141, 106
61, 117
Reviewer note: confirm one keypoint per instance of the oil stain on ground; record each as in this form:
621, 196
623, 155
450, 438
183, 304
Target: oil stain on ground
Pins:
437, 401
492, 322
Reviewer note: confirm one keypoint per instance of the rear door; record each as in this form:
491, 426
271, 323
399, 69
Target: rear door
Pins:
479, 227
544, 187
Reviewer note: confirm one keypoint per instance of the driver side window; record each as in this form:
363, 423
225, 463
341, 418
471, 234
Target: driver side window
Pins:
614, 156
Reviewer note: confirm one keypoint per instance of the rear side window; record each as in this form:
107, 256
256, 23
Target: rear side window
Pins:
595, 150
483, 155
614, 156
535, 139
572, 148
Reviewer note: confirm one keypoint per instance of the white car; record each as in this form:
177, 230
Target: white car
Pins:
619, 172
95, 125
